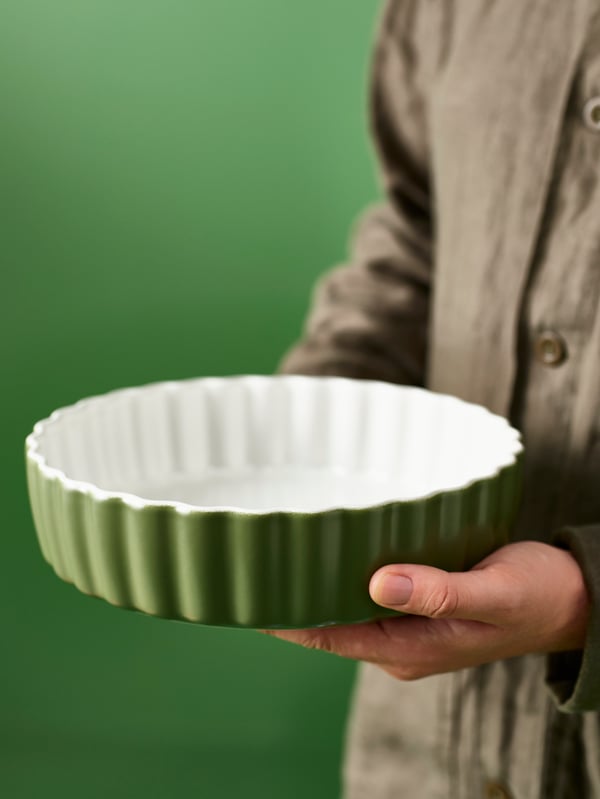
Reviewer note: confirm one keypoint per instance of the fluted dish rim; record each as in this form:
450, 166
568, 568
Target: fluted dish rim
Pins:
139, 502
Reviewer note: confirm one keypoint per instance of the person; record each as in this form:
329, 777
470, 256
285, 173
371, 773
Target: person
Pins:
479, 276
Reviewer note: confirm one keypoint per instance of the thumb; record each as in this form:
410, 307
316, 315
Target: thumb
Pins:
478, 595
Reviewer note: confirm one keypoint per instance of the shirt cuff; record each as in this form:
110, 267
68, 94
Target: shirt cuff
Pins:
574, 677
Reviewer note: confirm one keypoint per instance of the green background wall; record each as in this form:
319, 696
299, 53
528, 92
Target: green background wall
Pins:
174, 174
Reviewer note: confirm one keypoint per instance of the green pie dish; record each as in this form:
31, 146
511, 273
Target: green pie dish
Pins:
267, 501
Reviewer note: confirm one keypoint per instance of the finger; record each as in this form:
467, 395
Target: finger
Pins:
408, 648
365, 641
485, 594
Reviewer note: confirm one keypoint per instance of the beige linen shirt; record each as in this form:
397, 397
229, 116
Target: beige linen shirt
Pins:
480, 277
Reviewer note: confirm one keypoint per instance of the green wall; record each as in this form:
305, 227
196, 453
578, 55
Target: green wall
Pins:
174, 174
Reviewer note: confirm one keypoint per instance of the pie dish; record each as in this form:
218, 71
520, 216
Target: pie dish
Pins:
267, 500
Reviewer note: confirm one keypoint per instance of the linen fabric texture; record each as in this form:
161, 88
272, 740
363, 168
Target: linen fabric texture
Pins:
489, 236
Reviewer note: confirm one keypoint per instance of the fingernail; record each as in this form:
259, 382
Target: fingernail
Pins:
393, 589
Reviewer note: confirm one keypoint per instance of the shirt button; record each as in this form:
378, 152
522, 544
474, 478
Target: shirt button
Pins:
591, 114
550, 348
493, 790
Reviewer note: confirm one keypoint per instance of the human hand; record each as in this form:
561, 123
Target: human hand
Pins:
526, 597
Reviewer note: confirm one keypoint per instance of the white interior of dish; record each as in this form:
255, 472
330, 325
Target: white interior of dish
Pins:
259, 443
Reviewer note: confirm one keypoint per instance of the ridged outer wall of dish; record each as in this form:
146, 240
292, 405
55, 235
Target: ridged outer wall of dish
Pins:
276, 569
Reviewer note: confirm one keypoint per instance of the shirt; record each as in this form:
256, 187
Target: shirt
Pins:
479, 277
562, 298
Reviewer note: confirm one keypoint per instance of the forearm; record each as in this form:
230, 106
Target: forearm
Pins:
369, 318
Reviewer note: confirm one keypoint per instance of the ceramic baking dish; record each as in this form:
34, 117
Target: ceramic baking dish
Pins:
266, 501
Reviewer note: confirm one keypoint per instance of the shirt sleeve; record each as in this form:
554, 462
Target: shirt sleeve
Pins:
574, 677
368, 318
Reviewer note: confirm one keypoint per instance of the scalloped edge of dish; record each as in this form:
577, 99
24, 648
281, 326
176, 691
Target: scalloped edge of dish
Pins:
137, 501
